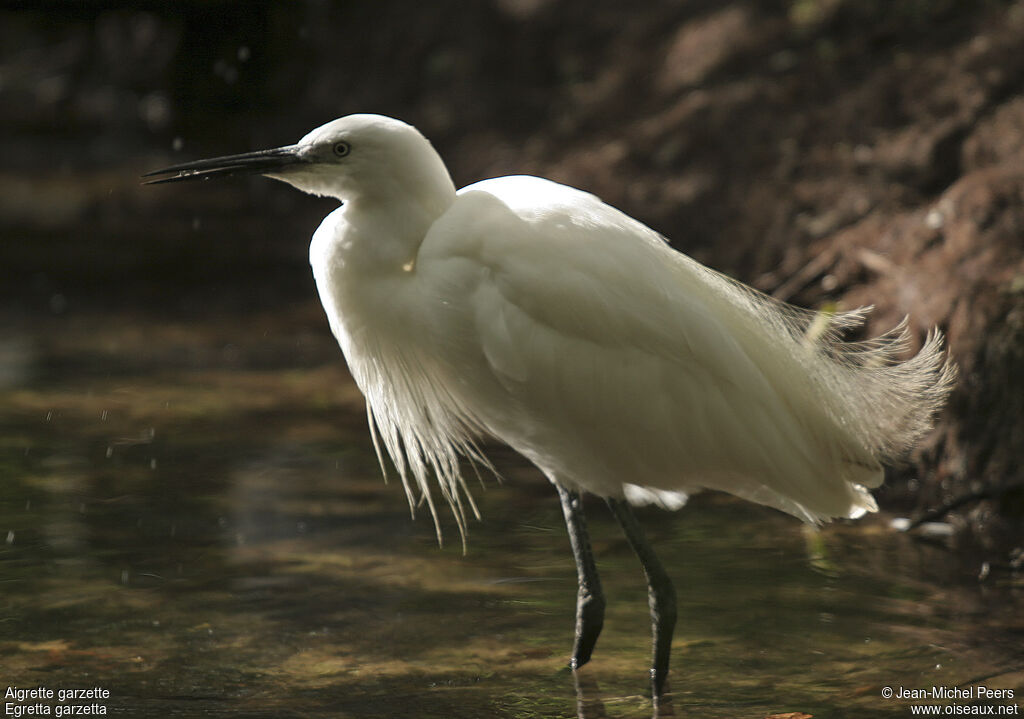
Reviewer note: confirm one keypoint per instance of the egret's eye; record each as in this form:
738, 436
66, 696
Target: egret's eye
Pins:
341, 149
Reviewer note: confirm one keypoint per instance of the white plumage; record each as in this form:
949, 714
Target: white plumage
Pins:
535, 313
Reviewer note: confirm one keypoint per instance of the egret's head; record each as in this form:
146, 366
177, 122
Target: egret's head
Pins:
353, 156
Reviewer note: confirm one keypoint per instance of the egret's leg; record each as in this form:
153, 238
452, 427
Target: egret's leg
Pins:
590, 600
660, 592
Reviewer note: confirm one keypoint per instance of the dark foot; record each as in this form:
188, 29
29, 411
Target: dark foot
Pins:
660, 592
590, 600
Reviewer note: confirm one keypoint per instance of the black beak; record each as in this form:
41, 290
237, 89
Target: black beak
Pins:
261, 162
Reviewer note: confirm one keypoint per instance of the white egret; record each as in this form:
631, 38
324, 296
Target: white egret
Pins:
533, 312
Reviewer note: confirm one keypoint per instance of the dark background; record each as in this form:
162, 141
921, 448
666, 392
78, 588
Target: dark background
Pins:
825, 151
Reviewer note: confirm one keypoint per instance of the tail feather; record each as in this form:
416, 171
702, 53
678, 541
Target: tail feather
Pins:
860, 403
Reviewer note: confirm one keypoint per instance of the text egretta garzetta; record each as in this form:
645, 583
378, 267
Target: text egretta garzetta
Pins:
533, 312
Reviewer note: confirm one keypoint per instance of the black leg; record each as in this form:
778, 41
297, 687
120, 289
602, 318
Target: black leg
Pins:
661, 593
590, 600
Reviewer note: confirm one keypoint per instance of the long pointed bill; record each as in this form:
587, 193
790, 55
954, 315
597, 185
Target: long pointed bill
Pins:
262, 162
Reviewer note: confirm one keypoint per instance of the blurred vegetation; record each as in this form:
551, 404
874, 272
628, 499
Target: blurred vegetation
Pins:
827, 151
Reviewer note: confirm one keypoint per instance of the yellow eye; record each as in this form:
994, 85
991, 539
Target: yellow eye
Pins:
341, 149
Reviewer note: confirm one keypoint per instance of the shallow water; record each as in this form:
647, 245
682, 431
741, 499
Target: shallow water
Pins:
195, 523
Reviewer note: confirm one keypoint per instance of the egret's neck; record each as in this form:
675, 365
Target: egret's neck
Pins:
384, 226
384, 236
391, 214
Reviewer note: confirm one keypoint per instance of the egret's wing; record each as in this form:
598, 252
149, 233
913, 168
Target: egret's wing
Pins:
609, 359
625, 362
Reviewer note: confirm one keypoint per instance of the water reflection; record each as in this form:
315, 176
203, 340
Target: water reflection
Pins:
15, 360
202, 531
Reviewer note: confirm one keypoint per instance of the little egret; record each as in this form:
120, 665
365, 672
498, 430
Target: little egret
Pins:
532, 312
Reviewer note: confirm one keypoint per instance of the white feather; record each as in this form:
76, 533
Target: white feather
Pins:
537, 314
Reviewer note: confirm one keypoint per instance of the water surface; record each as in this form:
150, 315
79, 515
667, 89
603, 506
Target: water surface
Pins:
195, 522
